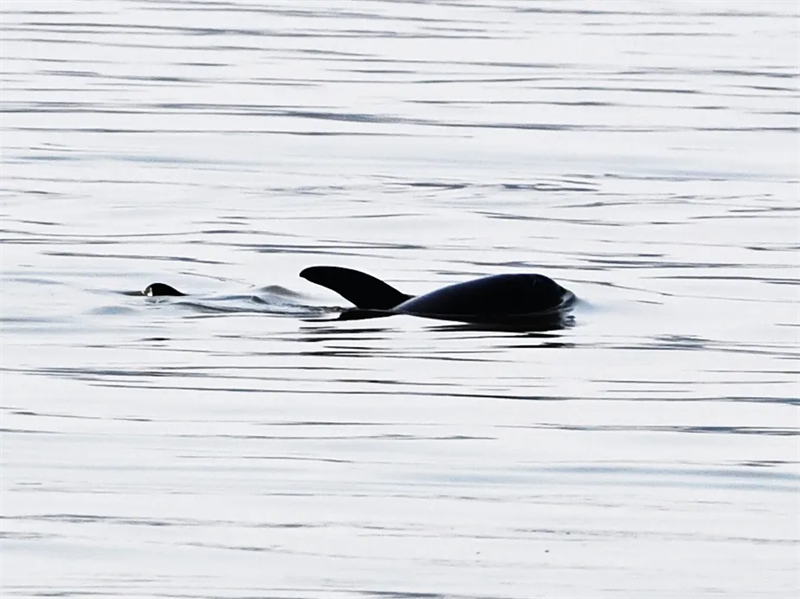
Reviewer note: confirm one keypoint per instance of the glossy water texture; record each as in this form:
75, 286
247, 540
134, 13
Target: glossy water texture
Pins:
238, 443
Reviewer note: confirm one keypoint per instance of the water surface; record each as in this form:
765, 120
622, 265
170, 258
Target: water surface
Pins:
236, 443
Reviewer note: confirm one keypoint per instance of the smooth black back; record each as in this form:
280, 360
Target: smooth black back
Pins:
490, 297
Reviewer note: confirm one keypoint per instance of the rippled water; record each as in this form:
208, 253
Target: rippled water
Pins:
237, 443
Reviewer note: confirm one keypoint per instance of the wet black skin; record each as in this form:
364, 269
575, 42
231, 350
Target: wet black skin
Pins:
161, 289
494, 299
498, 299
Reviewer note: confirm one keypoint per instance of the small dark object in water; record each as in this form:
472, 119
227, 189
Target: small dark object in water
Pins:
159, 289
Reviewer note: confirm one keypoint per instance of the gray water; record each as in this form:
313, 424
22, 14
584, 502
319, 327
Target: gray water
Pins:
238, 442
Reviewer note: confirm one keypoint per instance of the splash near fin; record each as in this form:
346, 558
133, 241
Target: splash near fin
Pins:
363, 290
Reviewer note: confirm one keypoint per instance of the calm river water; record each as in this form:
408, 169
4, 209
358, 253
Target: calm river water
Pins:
238, 443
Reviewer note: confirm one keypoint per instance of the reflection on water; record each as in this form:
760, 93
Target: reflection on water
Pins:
241, 441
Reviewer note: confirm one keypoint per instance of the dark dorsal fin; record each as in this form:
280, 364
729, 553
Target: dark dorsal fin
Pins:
363, 290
